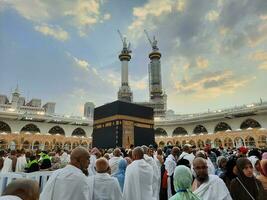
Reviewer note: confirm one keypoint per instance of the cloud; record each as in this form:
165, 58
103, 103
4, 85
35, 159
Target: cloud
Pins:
210, 84
141, 84
260, 56
81, 14
144, 16
53, 31
212, 15
202, 63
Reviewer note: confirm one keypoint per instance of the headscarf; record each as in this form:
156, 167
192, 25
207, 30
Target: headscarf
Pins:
120, 174
263, 168
231, 163
249, 182
264, 155
182, 181
254, 160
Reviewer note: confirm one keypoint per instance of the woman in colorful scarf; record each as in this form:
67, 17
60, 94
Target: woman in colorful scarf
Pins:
182, 181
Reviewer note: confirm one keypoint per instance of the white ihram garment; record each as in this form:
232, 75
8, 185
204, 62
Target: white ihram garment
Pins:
213, 189
105, 187
21, 164
7, 166
114, 163
68, 183
138, 181
170, 164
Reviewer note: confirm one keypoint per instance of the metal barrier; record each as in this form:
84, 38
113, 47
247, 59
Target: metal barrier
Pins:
41, 177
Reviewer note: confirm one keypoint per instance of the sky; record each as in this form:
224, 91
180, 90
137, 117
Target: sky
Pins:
214, 52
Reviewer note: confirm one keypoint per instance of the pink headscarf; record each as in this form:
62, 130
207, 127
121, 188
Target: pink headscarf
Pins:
263, 168
264, 155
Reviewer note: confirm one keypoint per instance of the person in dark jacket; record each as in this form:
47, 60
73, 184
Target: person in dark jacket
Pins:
245, 186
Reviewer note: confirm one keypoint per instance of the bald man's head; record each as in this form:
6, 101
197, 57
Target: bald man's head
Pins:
24, 188
175, 151
201, 168
102, 165
145, 148
79, 158
138, 153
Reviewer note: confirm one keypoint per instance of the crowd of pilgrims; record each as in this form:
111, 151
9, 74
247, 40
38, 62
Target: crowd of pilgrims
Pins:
140, 173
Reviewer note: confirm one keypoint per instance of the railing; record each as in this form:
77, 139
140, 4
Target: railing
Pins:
41, 177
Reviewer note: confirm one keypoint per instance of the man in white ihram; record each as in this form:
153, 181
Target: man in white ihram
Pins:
208, 187
114, 161
138, 178
70, 183
104, 186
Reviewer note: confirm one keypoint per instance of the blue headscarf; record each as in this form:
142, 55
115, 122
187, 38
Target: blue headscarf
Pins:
120, 174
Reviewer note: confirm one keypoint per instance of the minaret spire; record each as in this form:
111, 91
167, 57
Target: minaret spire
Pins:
125, 93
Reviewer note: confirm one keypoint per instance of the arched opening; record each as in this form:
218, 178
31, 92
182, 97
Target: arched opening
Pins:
58, 145
250, 123
262, 141
36, 145
177, 143
161, 144
46, 146
84, 144
200, 129
160, 132
238, 142
4, 127
12, 145
56, 130
32, 128
208, 142
26, 145
228, 142
67, 145
78, 132
192, 142
222, 126
3, 144
217, 143
200, 144
75, 144
250, 142
183, 142
179, 131
169, 143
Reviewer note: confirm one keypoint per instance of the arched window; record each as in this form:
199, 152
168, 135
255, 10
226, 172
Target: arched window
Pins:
222, 126
228, 142
78, 132
217, 142
160, 132
4, 127
208, 141
177, 143
262, 141
56, 130
192, 142
250, 142
200, 129
239, 142
250, 123
200, 143
169, 143
161, 144
36, 145
3, 144
26, 145
32, 128
179, 131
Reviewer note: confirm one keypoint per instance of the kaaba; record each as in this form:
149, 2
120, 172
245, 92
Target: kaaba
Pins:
121, 124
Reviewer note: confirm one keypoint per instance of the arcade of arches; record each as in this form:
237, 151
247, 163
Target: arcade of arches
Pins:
38, 141
31, 138
253, 137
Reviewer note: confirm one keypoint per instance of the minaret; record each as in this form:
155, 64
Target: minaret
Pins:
15, 97
157, 97
125, 93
